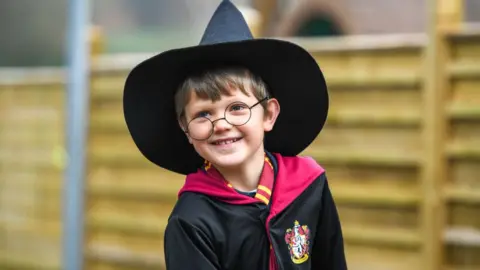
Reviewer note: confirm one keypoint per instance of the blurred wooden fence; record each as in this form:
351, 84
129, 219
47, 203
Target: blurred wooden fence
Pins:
460, 167
31, 143
396, 212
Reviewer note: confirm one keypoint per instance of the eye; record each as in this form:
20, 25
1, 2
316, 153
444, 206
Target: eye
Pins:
202, 114
238, 107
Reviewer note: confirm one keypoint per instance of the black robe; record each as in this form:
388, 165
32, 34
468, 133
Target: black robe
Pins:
292, 224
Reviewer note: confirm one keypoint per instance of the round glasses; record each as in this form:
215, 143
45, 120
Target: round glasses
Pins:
236, 114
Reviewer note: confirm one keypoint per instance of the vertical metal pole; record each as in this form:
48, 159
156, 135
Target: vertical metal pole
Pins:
78, 51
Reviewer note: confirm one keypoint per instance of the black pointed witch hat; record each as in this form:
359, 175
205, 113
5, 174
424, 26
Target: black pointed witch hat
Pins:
290, 72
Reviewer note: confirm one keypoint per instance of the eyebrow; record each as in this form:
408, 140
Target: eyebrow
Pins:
208, 106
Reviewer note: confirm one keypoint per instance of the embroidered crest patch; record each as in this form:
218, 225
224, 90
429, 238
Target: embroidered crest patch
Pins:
298, 240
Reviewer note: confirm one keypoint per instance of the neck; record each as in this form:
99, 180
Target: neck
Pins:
245, 177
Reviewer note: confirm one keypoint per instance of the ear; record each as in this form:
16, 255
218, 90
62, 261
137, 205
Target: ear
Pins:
183, 127
271, 113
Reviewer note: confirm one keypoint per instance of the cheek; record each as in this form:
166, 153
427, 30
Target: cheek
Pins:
254, 130
202, 149
199, 145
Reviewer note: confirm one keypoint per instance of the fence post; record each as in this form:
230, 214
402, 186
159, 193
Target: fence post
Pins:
76, 130
442, 16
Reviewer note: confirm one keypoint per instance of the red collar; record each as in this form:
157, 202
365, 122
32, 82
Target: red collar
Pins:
294, 175
265, 185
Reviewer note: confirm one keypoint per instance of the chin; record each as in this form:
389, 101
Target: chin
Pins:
229, 163
229, 160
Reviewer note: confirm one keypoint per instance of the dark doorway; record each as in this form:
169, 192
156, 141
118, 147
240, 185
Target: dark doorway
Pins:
319, 26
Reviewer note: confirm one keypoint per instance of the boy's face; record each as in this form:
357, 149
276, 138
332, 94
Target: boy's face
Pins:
230, 146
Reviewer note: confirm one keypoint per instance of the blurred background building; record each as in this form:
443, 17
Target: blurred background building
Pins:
401, 146
33, 32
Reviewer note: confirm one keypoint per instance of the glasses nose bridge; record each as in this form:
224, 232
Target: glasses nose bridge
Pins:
214, 122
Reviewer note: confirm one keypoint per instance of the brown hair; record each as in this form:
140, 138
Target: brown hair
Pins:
214, 83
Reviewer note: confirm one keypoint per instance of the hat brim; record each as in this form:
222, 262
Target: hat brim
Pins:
290, 72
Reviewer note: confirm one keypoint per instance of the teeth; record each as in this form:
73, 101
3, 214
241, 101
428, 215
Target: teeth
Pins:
226, 142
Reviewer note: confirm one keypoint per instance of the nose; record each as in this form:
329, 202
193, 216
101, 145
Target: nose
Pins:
221, 125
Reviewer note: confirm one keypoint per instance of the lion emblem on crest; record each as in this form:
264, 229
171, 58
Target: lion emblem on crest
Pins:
298, 240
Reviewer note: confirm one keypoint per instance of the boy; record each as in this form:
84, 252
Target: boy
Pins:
212, 112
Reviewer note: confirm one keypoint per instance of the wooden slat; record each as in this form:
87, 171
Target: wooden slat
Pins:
464, 112
123, 257
49, 228
384, 119
397, 81
163, 194
464, 70
131, 226
362, 158
106, 124
372, 257
113, 160
462, 194
463, 151
17, 261
27, 162
365, 195
31, 76
106, 64
362, 43
382, 236
463, 236
108, 88
469, 31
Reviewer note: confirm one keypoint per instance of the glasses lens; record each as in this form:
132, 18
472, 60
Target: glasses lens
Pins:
200, 128
237, 113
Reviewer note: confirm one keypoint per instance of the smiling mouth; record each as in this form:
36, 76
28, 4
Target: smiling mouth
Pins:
227, 141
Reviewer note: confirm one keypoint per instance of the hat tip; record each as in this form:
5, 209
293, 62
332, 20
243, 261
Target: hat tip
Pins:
226, 25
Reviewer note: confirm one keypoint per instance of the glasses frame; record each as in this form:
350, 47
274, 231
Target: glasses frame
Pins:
224, 118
